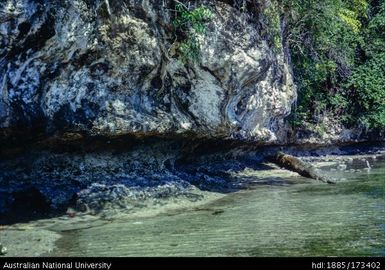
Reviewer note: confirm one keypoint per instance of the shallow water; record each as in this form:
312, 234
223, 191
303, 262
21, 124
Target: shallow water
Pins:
305, 219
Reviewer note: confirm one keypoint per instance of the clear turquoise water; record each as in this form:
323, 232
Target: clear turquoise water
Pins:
307, 219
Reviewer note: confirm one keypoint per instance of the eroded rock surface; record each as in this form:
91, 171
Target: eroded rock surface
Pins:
110, 67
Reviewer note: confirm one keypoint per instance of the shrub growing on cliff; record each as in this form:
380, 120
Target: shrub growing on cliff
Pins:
189, 23
323, 36
367, 83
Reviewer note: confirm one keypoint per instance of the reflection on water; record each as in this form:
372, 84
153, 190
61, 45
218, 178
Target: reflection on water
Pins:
307, 219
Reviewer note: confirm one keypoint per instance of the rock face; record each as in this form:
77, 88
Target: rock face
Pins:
122, 174
110, 67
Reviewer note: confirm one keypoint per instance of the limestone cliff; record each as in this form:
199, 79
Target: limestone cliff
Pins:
111, 67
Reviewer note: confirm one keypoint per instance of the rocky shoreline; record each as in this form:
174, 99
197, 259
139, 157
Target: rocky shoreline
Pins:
131, 174
98, 110
38, 236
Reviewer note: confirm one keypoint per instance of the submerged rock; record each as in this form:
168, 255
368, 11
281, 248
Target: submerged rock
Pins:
3, 250
99, 197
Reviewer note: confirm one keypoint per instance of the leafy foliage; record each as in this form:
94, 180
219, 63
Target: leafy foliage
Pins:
273, 23
337, 50
367, 82
190, 23
321, 44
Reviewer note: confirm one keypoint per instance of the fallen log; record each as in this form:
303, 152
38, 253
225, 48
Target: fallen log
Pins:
302, 168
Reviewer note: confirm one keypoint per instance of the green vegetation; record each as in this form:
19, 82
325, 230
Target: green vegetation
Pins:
367, 83
337, 49
273, 23
189, 23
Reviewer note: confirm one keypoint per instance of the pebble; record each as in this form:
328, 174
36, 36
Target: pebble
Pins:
3, 250
342, 167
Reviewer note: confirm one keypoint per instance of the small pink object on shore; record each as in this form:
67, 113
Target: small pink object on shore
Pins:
71, 212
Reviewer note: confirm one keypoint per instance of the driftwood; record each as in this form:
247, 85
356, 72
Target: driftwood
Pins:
302, 168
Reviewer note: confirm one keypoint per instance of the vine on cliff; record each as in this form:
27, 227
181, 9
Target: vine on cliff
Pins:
189, 24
